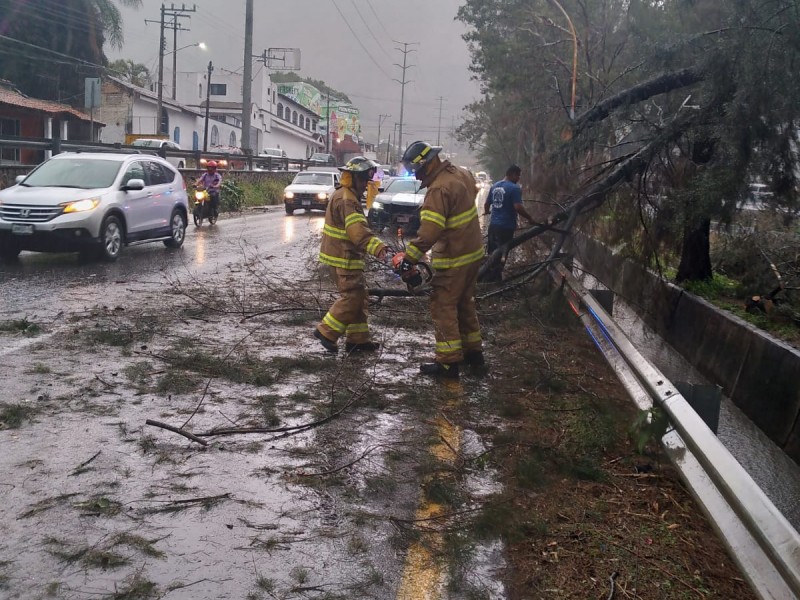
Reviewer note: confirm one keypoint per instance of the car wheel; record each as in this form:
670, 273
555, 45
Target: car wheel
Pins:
289, 210
177, 227
9, 250
112, 237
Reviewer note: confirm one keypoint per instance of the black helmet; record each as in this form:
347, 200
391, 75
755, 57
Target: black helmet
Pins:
363, 167
418, 154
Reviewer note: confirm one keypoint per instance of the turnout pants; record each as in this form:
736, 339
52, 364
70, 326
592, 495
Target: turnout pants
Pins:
455, 319
348, 315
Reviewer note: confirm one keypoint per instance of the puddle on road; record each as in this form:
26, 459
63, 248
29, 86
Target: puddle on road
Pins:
98, 503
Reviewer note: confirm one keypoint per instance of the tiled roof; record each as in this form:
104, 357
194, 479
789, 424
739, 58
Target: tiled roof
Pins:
14, 99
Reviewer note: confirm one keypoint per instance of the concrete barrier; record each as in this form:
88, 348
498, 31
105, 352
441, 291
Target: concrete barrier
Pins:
758, 372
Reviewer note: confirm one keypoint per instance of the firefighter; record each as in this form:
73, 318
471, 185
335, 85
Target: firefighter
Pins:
449, 226
345, 239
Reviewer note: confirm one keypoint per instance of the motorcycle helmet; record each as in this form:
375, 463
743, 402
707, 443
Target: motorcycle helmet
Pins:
212, 164
418, 154
361, 167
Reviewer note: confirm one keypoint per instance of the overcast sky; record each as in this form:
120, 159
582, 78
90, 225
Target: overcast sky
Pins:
332, 53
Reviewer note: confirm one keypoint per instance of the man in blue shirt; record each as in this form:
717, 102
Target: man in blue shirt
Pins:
504, 202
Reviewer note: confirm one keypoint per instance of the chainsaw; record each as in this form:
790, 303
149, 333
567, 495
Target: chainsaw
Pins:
413, 275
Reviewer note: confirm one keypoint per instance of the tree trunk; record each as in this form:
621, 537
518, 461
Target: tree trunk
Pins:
695, 254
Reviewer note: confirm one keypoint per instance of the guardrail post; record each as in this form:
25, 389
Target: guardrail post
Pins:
117, 146
56, 146
162, 152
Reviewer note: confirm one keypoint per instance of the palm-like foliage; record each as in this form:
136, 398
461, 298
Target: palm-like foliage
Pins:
50, 46
132, 72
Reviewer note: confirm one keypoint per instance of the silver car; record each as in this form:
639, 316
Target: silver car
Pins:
94, 204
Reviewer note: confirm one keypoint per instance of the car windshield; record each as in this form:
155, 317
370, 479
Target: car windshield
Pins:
403, 186
147, 143
269, 152
84, 173
314, 178
319, 157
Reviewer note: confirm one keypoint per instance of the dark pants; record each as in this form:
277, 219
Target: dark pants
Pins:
214, 195
497, 237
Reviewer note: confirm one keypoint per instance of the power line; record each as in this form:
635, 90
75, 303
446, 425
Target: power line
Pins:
355, 36
377, 18
369, 29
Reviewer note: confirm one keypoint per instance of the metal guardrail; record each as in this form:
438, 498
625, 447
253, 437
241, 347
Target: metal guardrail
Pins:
759, 538
250, 161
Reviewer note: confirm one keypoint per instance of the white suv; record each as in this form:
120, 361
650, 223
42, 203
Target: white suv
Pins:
93, 203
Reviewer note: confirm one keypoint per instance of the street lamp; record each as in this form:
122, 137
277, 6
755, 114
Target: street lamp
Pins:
201, 45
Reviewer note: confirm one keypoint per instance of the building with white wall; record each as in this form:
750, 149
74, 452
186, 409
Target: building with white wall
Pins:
129, 111
276, 121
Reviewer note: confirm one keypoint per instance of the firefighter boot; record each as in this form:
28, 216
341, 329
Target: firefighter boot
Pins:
362, 347
474, 358
438, 369
329, 345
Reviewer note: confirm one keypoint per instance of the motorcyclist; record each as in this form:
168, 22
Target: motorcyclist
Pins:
449, 227
211, 181
346, 237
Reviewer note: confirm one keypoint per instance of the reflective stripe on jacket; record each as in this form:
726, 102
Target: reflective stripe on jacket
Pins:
345, 235
448, 220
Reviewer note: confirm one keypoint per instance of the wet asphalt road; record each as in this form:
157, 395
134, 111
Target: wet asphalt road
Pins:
42, 286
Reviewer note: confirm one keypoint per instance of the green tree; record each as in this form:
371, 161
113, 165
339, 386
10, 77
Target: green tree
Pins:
127, 70
49, 46
680, 103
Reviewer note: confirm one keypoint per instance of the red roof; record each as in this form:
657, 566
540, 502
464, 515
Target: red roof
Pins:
14, 99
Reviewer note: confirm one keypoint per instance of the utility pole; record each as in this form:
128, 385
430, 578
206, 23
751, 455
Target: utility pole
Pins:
405, 50
328, 127
439, 128
388, 146
247, 76
208, 102
380, 120
394, 132
175, 13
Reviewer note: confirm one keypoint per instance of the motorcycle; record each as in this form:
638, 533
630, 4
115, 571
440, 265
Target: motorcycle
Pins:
203, 207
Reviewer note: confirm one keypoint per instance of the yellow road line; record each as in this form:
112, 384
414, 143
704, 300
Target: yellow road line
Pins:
424, 577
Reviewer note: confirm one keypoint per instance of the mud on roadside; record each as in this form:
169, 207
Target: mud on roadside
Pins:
522, 484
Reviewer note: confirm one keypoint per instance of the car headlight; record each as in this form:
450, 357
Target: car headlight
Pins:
81, 205
288, 195
377, 205
322, 195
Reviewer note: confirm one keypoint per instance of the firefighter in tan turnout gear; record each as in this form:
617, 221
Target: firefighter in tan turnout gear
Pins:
449, 226
345, 239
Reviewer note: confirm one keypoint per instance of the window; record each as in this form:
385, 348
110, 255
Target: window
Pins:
214, 136
199, 90
135, 171
314, 125
157, 174
176, 135
232, 140
280, 110
218, 89
294, 117
195, 141
9, 127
